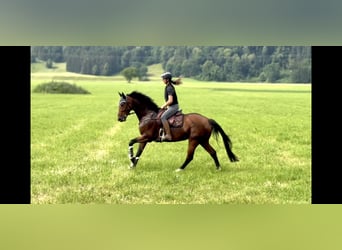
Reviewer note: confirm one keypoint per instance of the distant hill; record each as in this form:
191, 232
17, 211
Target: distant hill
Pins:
39, 70
272, 64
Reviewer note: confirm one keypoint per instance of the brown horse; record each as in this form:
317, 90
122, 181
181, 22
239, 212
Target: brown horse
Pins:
195, 127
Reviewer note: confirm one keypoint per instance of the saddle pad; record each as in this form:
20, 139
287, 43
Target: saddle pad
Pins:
176, 120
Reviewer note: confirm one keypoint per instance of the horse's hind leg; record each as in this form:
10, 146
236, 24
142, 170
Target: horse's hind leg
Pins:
190, 155
212, 153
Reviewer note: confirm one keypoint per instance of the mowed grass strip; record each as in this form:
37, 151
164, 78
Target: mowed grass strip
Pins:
79, 149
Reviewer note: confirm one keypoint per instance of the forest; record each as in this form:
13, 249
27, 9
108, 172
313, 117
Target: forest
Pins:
272, 64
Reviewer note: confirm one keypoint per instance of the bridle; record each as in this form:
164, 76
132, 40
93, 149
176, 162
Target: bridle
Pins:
128, 109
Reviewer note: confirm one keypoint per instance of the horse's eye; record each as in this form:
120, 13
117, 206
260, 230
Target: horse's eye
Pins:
122, 104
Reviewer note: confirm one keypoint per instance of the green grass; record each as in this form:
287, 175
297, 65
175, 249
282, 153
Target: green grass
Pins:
79, 149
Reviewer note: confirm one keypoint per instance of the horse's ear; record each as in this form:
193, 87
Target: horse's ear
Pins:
122, 95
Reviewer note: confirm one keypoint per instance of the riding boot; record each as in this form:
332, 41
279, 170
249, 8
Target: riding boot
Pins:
167, 136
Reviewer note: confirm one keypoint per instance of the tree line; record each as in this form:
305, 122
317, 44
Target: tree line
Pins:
207, 63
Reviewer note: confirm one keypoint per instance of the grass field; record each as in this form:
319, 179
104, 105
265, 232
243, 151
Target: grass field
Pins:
79, 149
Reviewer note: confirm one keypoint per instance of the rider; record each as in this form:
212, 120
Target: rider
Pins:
171, 103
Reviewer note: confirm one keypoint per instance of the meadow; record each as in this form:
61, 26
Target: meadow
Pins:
79, 149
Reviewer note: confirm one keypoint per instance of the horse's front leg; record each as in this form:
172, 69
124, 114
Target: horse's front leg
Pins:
142, 143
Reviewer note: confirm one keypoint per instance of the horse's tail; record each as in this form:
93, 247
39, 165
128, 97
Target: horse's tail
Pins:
227, 142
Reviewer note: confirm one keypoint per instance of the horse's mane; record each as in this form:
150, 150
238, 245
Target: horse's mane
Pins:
144, 99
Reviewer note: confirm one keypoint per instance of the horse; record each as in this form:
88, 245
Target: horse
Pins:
195, 128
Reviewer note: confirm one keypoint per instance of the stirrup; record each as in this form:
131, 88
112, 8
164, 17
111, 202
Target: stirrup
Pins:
161, 133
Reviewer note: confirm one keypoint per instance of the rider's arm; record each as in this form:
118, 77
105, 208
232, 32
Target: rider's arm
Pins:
169, 102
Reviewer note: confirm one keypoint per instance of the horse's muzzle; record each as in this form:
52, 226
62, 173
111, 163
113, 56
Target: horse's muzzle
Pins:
122, 118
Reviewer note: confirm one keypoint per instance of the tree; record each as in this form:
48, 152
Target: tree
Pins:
142, 72
49, 64
190, 68
272, 72
210, 71
95, 70
129, 73
301, 73
55, 53
86, 66
105, 69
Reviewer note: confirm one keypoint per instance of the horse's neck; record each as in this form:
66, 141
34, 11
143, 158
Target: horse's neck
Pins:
144, 113
146, 118
142, 110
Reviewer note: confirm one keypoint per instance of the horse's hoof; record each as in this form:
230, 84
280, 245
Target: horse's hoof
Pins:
179, 170
219, 169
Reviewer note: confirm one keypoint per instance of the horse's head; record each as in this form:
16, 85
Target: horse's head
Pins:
124, 108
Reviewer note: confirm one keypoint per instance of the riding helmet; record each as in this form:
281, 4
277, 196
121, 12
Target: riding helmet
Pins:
166, 75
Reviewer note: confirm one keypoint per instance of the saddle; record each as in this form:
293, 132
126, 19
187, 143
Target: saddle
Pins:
175, 121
